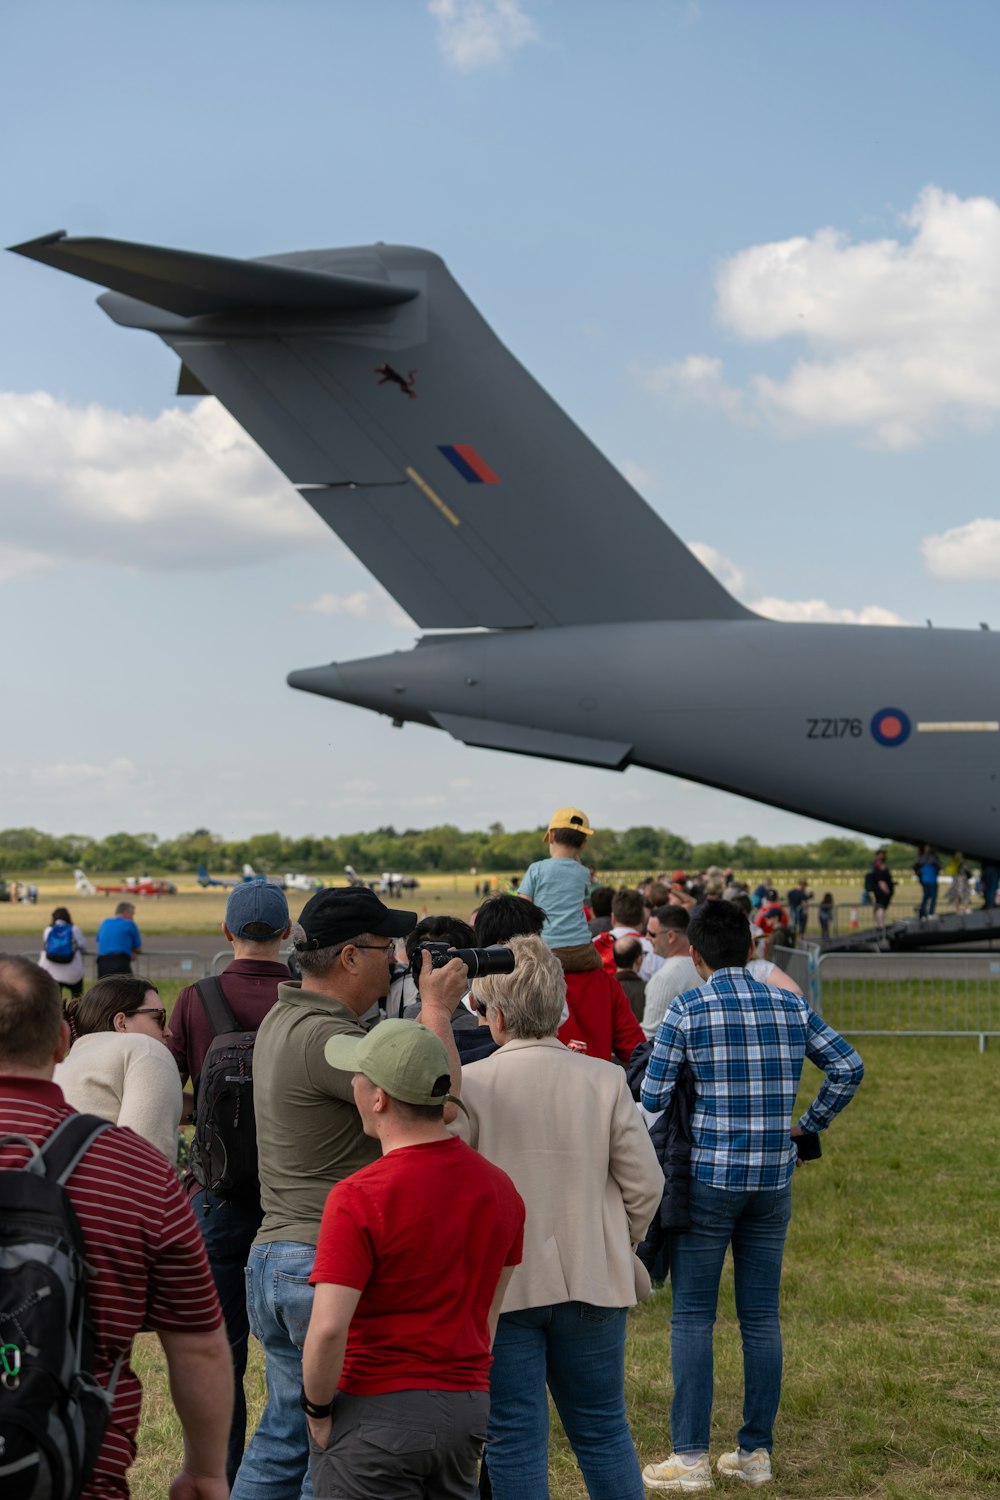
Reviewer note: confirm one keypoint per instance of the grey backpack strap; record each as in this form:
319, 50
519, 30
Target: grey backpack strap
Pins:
62, 1151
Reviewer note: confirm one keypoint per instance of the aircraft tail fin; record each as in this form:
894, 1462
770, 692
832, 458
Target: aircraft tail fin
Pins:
372, 381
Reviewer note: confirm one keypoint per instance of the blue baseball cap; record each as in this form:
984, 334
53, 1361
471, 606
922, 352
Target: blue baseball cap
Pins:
255, 903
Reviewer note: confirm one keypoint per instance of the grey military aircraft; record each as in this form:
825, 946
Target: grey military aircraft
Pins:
576, 625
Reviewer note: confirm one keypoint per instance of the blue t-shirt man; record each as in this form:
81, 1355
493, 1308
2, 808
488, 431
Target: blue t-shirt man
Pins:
118, 938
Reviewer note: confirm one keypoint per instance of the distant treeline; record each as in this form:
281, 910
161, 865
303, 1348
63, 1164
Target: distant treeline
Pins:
26, 851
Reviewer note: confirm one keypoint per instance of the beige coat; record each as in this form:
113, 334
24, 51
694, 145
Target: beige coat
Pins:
565, 1128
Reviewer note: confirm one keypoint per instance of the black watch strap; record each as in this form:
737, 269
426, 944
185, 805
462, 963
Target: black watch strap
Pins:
312, 1410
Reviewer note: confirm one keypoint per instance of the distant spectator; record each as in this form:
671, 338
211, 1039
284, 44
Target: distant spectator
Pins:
798, 904
600, 905
880, 883
118, 1066
826, 910
561, 883
927, 870
960, 892
990, 881
628, 962
118, 941
667, 929
63, 947
629, 914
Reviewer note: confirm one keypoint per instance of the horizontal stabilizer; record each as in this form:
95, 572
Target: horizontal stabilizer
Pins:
193, 285
521, 740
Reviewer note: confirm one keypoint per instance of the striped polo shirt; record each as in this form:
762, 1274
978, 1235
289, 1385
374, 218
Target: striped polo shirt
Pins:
144, 1244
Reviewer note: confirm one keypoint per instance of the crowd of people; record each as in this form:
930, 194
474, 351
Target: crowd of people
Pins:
430, 1174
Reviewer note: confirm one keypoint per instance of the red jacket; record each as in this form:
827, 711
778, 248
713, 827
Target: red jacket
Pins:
600, 1015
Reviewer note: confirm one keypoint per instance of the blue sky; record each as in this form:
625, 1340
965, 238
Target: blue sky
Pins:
753, 248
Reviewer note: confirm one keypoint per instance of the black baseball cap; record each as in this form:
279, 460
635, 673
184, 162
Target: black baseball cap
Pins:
340, 913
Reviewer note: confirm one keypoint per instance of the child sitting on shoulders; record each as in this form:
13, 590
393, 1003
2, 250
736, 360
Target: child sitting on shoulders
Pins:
560, 885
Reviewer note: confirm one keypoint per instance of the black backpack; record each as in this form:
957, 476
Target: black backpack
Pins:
53, 1410
224, 1149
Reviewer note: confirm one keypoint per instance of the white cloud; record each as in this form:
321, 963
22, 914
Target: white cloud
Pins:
185, 489
637, 476
700, 378
363, 604
817, 611
481, 33
726, 571
969, 552
115, 775
902, 335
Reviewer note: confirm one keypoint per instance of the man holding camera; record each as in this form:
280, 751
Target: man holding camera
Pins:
309, 1137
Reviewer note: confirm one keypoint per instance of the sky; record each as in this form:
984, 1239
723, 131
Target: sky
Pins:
752, 247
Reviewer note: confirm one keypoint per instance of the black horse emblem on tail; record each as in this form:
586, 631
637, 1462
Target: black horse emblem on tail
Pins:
388, 375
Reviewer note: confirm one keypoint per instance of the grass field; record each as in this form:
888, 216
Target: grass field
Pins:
890, 1305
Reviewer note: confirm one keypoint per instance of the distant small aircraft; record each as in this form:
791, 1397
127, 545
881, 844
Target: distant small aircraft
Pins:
389, 883
132, 885
205, 879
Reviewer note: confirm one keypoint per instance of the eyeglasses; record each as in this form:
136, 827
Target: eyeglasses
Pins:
386, 948
151, 1010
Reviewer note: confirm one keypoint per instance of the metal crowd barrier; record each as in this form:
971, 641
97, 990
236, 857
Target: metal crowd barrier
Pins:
152, 963
900, 994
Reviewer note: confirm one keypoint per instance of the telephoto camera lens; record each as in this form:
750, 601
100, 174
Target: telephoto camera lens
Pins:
496, 959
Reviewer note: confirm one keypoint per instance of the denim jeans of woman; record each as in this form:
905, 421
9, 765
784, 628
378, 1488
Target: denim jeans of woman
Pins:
578, 1352
279, 1301
755, 1224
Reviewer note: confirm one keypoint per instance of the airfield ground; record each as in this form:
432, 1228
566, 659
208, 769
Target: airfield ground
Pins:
193, 910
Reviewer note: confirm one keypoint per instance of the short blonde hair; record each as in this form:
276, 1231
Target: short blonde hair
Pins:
531, 999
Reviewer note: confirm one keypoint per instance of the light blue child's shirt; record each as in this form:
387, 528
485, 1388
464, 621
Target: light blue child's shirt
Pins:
559, 887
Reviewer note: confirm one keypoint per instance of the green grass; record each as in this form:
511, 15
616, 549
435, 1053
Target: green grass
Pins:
892, 1340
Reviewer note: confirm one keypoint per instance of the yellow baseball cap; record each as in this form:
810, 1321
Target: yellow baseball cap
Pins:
570, 817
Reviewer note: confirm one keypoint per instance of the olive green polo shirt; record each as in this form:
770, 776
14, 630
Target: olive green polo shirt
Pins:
309, 1133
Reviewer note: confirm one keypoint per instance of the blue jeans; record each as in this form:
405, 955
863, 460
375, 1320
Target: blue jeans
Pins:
229, 1230
279, 1301
578, 1351
755, 1224
928, 899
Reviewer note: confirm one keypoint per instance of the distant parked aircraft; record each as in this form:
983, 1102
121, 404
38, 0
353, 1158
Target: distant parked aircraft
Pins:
292, 881
131, 885
390, 884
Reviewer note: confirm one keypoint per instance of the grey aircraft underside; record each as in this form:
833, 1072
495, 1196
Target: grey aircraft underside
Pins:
372, 381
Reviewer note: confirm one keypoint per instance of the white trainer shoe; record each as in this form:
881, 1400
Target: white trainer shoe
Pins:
754, 1468
674, 1474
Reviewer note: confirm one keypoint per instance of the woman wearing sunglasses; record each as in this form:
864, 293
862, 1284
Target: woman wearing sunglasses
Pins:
118, 1066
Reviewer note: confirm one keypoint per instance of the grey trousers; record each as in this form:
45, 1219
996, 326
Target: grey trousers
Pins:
405, 1445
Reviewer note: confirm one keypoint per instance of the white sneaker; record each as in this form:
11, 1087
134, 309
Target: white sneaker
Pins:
674, 1474
754, 1468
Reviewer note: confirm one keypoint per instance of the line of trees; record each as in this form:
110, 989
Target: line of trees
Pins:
27, 851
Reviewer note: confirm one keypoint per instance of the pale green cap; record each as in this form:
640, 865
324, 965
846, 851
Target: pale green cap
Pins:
402, 1057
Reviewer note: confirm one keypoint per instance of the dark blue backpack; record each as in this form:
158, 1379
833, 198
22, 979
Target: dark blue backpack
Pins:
60, 945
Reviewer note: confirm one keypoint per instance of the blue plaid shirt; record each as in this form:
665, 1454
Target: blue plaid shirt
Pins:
745, 1043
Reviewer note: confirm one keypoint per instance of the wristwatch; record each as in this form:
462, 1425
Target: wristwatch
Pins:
312, 1410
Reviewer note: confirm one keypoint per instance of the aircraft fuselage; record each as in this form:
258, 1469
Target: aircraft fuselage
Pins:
893, 731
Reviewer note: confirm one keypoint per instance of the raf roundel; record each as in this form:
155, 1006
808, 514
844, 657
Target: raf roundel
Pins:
890, 727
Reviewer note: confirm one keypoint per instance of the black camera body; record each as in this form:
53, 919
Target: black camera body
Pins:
497, 959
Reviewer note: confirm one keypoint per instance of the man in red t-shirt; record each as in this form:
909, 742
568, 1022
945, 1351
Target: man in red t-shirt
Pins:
149, 1269
414, 1255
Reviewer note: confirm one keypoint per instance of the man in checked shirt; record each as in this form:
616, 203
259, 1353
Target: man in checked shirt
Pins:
745, 1043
